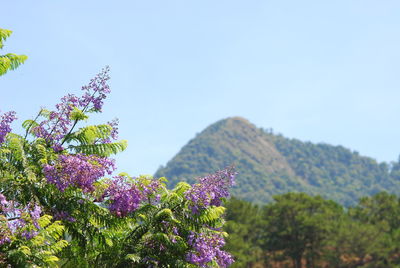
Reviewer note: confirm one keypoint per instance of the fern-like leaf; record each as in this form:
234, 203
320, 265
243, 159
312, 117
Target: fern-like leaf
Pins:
3, 36
11, 61
101, 149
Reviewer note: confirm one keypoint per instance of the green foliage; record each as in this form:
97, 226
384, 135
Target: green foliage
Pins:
298, 230
9, 61
357, 244
56, 171
382, 209
100, 149
89, 235
336, 172
142, 239
40, 250
90, 134
3, 36
244, 225
297, 225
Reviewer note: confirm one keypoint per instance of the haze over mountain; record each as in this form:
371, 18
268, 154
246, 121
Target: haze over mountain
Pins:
270, 164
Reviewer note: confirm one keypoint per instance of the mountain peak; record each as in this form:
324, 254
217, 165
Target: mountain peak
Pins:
270, 164
230, 141
233, 122
237, 119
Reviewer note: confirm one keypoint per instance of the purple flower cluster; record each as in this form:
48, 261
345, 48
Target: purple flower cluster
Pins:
125, 195
9, 208
114, 131
155, 245
206, 248
5, 232
3, 202
29, 234
14, 220
78, 170
5, 120
210, 189
4, 239
114, 125
63, 215
35, 215
150, 188
58, 123
96, 91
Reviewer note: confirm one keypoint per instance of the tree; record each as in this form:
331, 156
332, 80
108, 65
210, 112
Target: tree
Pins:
244, 226
297, 225
382, 211
357, 244
62, 205
9, 61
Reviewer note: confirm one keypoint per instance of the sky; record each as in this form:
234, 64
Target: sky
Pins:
320, 71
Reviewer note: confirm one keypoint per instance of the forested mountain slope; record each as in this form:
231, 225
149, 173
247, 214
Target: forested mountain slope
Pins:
271, 164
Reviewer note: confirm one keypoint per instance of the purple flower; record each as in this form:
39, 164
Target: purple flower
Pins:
206, 248
78, 170
16, 224
96, 91
4, 239
59, 122
35, 215
114, 130
58, 148
9, 207
63, 215
16, 219
29, 234
3, 201
114, 125
151, 188
5, 120
211, 190
125, 194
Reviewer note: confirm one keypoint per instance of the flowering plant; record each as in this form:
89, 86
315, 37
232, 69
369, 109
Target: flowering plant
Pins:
62, 205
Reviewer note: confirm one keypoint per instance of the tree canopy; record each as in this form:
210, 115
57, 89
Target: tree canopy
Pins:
62, 205
298, 230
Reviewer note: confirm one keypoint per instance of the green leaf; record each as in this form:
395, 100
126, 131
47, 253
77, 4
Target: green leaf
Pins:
3, 36
78, 115
25, 250
133, 257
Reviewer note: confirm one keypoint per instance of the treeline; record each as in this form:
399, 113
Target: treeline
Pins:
299, 230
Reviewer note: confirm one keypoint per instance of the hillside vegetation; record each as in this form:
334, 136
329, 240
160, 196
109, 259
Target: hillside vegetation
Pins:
270, 164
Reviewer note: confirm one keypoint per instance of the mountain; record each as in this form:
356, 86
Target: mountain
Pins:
270, 164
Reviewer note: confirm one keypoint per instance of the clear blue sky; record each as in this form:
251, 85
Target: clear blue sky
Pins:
323, 71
